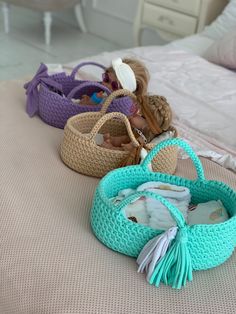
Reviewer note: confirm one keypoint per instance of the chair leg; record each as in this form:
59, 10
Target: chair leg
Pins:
5, 10
47, 19
80, 18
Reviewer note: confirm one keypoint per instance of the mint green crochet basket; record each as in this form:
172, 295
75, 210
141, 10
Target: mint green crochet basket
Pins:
195, 247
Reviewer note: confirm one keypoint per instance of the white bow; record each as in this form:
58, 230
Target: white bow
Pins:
124, 74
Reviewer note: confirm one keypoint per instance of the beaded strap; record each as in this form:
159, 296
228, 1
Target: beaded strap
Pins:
141, 134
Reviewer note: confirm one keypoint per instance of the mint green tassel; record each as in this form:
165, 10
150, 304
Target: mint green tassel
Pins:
175, 268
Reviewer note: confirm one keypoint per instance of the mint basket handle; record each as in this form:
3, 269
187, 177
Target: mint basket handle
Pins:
174, 211
175, 142
79, 66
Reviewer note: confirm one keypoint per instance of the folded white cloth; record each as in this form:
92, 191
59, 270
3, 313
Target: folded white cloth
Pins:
122, 194
136, 211
151, 212
159, 215
211, 212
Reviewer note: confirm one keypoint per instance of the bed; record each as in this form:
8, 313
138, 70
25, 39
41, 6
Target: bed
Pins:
201, 94
50, 260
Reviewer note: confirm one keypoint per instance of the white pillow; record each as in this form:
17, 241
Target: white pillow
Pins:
225, 22
196, 44
223, 51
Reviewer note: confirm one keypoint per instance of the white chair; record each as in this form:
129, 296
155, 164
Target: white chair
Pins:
45, 6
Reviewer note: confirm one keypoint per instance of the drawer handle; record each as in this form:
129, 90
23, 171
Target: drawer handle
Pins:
166, 19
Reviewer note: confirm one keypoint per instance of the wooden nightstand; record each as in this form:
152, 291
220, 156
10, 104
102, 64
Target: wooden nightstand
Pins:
174, 19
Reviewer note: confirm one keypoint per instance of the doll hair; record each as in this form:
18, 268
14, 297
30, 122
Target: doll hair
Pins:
142, 78
154, 108
158, 115
161, 111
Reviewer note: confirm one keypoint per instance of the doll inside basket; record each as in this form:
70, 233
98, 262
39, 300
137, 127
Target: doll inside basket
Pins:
150, 124
152, 117
130, 74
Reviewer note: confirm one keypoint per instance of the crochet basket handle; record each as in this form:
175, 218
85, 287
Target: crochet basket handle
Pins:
174, 211
112, 96
79, 66
87, 84
175, 142
117, 115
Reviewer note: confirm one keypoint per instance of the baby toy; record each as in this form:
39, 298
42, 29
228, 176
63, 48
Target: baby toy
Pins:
153, 119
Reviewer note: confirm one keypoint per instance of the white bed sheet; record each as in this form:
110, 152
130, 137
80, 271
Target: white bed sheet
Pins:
201, 94
51, 262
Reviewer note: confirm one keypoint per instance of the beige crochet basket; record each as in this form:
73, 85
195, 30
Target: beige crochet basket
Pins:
80, 152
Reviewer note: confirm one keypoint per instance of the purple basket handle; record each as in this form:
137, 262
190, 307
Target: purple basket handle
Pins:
74, 71
87, 84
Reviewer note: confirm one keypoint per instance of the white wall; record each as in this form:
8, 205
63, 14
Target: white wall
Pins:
113, 20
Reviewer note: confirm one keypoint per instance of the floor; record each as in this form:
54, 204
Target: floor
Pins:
22, 50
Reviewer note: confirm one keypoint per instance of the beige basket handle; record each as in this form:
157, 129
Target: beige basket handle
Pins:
120, 92
112, 115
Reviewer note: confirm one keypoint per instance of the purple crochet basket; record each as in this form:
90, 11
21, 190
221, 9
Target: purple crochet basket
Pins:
50, 96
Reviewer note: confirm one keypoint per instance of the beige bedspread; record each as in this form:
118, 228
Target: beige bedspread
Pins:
50, 261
